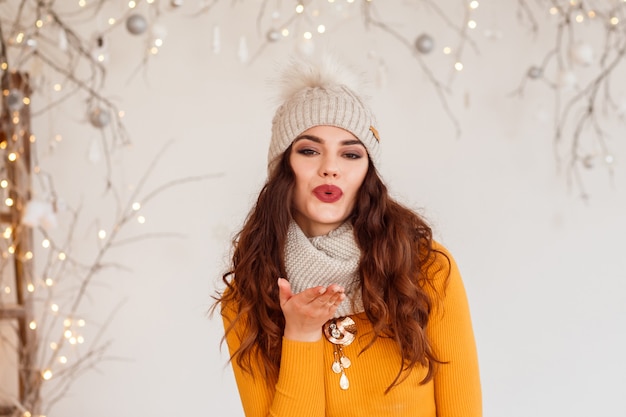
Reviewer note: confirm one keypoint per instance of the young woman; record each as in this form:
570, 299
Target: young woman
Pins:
339, 303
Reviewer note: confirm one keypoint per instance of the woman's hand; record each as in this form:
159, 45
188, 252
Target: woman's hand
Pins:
307, 311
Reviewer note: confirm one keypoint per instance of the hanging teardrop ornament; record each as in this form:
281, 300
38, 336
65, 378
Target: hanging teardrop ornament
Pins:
345, 362
344, 384
336, 367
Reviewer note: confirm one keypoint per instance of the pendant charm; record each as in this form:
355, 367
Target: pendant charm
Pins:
340, 332
344, 384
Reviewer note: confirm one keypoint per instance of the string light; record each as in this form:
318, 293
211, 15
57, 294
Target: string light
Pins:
47, 374
61, 256
458, 66
591, 14
554, 10
111, 21
63, 359
30, 287
132, 4
136, 206
299, 8
57, 87
82, 3
4, 183
54, 308
32, 325
285, 32
141, 219
473, 4
54, 346
67, 322
580, 18
49, 282
8, 202
39, 23
12, 157
307, 35
614, 20
321, 29
102, 234
45, 243
472, 24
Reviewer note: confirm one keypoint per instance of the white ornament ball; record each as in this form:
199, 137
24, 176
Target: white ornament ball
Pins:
535, 72
99, 117
582, 54
273, 35
136, 24
567, 80
15, 100
424, 43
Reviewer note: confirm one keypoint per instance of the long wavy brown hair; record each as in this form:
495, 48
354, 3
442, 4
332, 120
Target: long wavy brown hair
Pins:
396, 246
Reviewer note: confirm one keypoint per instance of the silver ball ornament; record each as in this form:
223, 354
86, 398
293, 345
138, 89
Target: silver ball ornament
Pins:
136, 24
424, 43
99, 117
15, 100
534, 72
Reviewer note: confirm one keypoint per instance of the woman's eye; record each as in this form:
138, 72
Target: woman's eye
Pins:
351, 155
306, 151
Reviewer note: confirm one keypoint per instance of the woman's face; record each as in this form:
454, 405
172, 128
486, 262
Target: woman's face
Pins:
329, 165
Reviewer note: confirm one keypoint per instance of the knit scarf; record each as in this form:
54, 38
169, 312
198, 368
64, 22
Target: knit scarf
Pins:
323, 260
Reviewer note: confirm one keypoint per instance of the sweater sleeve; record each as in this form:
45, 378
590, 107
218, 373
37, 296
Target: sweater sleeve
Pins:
457, 381
300, 387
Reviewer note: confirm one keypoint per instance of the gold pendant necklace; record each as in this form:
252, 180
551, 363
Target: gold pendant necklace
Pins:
340, 332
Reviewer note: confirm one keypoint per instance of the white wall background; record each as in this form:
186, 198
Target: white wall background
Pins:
545, 272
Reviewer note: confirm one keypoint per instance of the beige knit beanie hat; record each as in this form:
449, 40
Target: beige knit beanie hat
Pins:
316, 94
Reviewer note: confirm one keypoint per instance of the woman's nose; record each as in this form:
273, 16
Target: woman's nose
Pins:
329, 168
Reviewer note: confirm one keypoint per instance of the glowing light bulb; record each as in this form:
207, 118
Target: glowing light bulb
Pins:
614, 21
102, 234
57, 87
67, 322
12, 157
7, 232
111, 21
63, 359
67, 334
7, 290
30, 287
39, 23
49, 282
54, 308
45, 243
32, 325
321, 29
473, 5
307, 35
4, 183
136, 206
28, 255
579, 18
132, 4
47, 374
554, 10
61, 256
299, 8
8, 202
472, 24
458, 66
53, 346
285, 32
81, 323
141, 219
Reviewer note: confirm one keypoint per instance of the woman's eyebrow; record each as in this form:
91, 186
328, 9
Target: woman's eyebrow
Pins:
320, 140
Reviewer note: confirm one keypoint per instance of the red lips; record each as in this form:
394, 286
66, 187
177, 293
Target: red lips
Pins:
328, 193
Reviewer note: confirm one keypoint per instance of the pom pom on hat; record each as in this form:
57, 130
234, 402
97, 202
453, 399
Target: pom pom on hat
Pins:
320, 93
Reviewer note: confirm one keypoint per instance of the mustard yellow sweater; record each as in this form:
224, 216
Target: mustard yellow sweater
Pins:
307, 387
